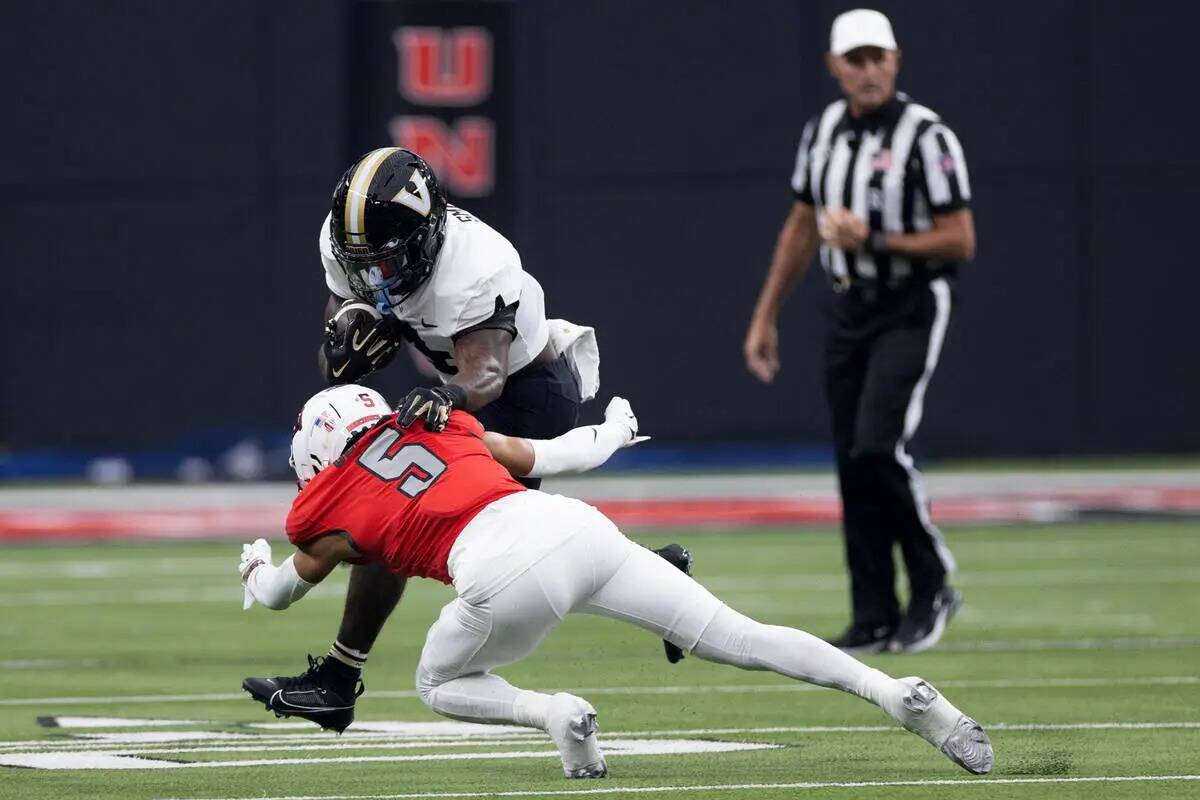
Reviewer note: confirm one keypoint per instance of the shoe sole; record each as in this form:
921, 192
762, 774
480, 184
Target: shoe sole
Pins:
969, 746
929, 640
583, 728
594, 770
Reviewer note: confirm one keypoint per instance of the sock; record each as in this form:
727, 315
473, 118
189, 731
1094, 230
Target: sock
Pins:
532, 709
345, 663
732, 638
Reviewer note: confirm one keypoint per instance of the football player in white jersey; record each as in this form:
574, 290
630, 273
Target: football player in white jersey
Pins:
436, 275
442, 279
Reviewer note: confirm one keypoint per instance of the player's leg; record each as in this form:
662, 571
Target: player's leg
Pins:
327, 691
903, 359
542, 401
371, 595
475, 635
875, 611
468, 641
647, 593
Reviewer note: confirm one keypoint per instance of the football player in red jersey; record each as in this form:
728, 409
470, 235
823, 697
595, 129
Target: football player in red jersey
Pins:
446, 506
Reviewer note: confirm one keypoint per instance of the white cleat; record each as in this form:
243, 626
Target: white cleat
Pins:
927, 713
573, 728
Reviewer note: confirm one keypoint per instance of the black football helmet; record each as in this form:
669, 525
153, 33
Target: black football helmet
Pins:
387, 225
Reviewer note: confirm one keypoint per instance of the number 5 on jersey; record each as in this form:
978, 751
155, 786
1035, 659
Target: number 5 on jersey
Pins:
414, 465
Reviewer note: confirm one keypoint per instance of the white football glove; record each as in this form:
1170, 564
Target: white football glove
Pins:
253, 556
621, 413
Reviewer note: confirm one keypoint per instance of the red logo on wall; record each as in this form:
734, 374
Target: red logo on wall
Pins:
439, 67
462, 155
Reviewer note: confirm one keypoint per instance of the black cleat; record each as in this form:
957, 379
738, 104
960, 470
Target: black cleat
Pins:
679, 557
925, 621
316, 696
863, 640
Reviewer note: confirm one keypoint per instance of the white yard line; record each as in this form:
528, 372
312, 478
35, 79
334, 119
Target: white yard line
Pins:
110, 568
239, 743
1021, 645
228, 593
995, 578
94, 760
998, 683
723, 787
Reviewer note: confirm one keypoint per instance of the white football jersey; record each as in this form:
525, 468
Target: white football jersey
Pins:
477, 272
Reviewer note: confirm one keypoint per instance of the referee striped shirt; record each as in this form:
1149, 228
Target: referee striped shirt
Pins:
894, 168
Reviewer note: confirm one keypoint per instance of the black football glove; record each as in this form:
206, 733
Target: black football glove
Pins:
433, 405
363, 347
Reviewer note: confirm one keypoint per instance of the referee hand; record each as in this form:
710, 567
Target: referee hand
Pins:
841, 230
762, 349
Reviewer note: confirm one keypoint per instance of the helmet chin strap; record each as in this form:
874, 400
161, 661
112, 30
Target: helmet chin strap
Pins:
387, 303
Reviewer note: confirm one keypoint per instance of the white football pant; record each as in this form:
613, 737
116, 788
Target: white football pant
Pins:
581, 563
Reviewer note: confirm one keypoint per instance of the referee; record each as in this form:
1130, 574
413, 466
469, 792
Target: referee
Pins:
881, 187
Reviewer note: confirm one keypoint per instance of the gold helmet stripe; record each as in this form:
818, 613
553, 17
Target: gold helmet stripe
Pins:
356, 197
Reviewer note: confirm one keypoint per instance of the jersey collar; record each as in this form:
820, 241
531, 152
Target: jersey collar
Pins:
886, 116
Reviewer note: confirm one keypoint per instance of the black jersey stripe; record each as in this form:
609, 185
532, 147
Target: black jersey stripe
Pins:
876, 200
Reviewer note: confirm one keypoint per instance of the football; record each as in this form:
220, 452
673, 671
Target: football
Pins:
348, 312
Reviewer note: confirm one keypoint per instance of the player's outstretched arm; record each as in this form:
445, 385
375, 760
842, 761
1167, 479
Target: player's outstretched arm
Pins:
279, 587
577, 450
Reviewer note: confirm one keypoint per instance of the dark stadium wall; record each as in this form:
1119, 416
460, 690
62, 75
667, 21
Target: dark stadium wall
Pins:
665, 142
166, 166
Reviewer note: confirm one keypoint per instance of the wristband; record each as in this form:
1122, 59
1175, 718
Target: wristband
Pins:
456, 394
277, 587
877, 242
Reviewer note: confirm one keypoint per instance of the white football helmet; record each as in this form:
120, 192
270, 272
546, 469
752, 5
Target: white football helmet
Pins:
326, 423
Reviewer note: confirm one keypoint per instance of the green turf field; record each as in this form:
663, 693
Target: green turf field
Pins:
1078, 647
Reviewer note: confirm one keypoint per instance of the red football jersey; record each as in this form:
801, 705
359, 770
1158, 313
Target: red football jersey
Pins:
404, 495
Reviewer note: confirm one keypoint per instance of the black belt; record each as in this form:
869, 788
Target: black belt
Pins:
871, 292
867, 291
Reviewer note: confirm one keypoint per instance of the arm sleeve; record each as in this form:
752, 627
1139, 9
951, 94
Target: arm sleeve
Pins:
277, 587
801, 182
577, 450
947, 185
335, 279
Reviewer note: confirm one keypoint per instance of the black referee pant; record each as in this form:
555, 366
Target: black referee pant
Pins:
882, 349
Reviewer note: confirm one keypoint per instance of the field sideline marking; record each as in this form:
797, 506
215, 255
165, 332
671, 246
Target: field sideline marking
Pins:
1002, 683
716, 787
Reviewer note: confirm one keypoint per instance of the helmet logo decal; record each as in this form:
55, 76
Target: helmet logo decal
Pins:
418, 199
356, 197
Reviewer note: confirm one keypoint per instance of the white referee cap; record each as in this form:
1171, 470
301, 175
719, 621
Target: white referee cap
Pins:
862, 27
